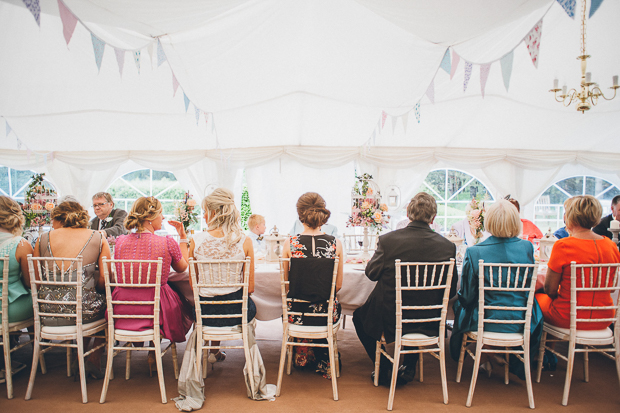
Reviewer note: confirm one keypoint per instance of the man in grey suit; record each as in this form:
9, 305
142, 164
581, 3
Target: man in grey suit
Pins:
109, 221
417, 242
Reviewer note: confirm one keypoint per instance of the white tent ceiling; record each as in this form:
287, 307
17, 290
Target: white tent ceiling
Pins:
294, 91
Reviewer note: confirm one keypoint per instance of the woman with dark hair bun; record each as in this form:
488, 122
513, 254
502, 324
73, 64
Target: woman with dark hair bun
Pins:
310, 277
70, 238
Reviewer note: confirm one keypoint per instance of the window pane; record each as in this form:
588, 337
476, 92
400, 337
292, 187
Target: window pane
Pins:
437, 181
574, 186
4, 181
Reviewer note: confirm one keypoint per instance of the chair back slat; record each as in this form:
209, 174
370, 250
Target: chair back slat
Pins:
518, 279
593, 279
428, 276
4, 297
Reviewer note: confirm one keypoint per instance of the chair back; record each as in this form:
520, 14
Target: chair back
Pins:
593, 278
427, 277
137, 275
519, 280
4, 297
284, 288
354, 243
50, 274
224, 275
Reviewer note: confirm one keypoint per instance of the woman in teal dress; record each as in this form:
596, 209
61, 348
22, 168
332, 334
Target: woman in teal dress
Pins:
12, 244
503, 222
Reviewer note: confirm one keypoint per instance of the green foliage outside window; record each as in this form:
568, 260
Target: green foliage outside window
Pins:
246, 209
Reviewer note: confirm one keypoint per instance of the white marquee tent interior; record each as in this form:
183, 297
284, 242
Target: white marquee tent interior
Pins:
300, 94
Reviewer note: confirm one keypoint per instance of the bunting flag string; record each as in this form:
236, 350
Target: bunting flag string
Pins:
568, 6
35, 9
455, 63
594, 5
68, 19
8, 128
197, 111
186, 100
484, 75
468, 67
161, 56
532, 41
99, 48
446, 65
405, 119
120, 59
136, 59
394, 119
506, 64
430, 91
383, 118
417, 111
175, 85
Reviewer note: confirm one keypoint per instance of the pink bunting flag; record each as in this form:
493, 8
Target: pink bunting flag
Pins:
455, 63
120, 59
532, 41
430, 91
68, 21
206, 117
484, 75
175, 85
468, 67
383, 118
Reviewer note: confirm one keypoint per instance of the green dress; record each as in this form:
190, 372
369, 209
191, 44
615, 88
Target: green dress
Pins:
20, 300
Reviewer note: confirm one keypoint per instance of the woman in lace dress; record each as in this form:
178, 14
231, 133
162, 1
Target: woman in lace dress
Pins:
223, 239
312, 253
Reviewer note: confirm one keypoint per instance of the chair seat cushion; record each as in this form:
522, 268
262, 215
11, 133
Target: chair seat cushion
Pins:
417, 336
492, 335
221, 330
20, 324
71, 329
589, 334
296, 328
134, 333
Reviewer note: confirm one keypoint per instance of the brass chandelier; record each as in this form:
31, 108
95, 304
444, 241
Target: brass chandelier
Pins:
589, 92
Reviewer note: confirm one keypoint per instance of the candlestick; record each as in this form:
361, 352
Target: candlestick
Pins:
555, 83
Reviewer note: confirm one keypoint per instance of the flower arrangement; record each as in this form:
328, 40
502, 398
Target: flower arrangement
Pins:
184, 211
367, 209
39, 203
475, 211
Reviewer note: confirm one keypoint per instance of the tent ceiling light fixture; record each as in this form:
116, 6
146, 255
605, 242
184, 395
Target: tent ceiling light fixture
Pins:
590, 91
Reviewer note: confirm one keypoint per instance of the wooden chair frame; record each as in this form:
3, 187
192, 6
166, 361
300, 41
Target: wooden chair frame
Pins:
137, 277
429, 280
329, 332
351, 242
11, 329
210, 274
502, 343
44, 336
591, 340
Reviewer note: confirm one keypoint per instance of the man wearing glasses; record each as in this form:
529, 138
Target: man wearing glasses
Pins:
109, 221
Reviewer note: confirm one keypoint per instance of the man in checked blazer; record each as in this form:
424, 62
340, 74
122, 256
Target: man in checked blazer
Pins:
109, 221
417, 242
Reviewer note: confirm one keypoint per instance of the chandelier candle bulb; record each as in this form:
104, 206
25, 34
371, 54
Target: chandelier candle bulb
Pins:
564, 90
615, 80
556, 83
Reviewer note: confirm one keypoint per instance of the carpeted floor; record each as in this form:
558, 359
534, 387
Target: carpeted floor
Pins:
307, 391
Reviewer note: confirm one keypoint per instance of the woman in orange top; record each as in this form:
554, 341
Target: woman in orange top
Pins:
584, 247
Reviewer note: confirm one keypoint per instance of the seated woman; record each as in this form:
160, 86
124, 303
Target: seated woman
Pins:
311, 280
175, 318
584, 247
223, 240
503, 246
71, 238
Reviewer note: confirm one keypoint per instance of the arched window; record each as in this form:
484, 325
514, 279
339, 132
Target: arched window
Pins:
147, 182
14, 182
549, 210
453, 190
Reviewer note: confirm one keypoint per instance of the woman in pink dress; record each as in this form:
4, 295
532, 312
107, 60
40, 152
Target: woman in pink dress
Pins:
142, 244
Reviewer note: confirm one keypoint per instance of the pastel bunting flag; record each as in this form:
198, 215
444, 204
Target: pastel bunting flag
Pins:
373, 137
455, 63
417, 111
161, 56
532, 41
569, 7
468, 67
120, 59
175, 85
430, 91
506, 64
206, 114
405, 119
186, 100
52, 156
197, 114
594, 5
484, 75
8, 129
394, 119
149, 50
136, 59
35, 9
445, 62
213, 124
99, 48
383, 118
68, 21
19, 144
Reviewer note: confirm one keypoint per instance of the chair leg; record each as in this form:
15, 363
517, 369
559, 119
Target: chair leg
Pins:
205, 364
395, 366
528, 375
569, 372
377, 362
442, 370
506, 368
160, 371
42, 361
618, 354
541, 355
128, 363
108, 370
282, 362
8, 373
332, 365
586, 367
175, 360
336, 356
291, 350
474, 375
68, 361
33, 370
421, 367
459, 369
81, 362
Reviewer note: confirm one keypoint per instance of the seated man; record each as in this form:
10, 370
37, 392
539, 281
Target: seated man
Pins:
415, 243
530, 230
256, 225
603, 227
109, 221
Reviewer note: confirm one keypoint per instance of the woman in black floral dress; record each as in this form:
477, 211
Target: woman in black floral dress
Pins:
311, 279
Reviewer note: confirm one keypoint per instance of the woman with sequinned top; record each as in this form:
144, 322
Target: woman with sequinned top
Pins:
312, 253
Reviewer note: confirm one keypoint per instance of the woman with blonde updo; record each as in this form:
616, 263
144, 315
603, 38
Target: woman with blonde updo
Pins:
143, 244
312, 253
70, 238
223, 239
12, 244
